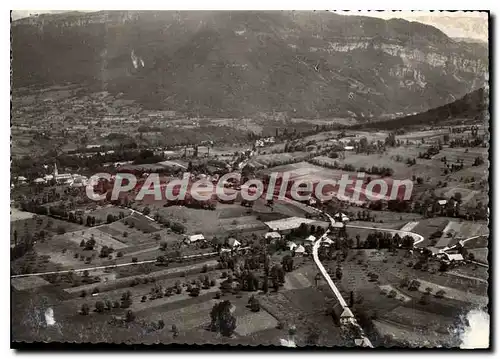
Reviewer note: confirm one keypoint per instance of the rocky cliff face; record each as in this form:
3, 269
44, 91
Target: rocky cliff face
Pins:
306, 64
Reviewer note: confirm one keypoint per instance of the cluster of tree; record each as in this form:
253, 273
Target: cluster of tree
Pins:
222, 319
191, 202
295, 159
24, 246
88, 245
112, 218
381, 171
253, 304
176, 227
106, 251
467, 143
431, 152
305, 230
386, 240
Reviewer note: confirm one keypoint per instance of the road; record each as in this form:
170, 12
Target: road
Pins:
108, 266
115, 265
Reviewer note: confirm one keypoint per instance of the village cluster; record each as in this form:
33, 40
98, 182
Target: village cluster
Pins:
269, 269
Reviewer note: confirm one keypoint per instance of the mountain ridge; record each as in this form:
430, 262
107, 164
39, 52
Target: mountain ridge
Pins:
306, 64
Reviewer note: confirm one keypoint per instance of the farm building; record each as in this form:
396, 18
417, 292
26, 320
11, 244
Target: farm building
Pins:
346, 316
287, 224
195, 238
272, 236
337, 225
300, 249
363, 342
291, 245
327, 242
341, 217
311, 238
233, 242
454, 257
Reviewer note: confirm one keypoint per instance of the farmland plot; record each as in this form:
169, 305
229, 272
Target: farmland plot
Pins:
254, 322
102, 239
26, 283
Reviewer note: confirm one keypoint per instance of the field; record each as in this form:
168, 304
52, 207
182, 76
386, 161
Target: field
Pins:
266, 160
16, 214
37, 223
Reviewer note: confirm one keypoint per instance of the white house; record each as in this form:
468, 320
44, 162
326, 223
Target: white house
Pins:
291, 245
454, 257
300, 249
272, 236
341, 217
233, 242
311, 238
195, 238
346, 316
337, 225
327, 242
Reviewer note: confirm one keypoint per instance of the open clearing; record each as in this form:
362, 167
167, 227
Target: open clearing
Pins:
26, 283
255, 322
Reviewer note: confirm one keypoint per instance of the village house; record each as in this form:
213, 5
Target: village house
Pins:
272, 236
194, 238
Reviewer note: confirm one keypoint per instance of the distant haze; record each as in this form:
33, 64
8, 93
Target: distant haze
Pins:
472, 25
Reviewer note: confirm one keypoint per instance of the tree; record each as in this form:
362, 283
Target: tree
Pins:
134, 259
109, 304
194, 292
424, 299
428, 290
130, 316
161, 324
126, 300
175, 331
99, 307
163, 246
89, 245
82, 243
440, 293
414, 285
222, 319
265, 285
85, 310
338, 273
